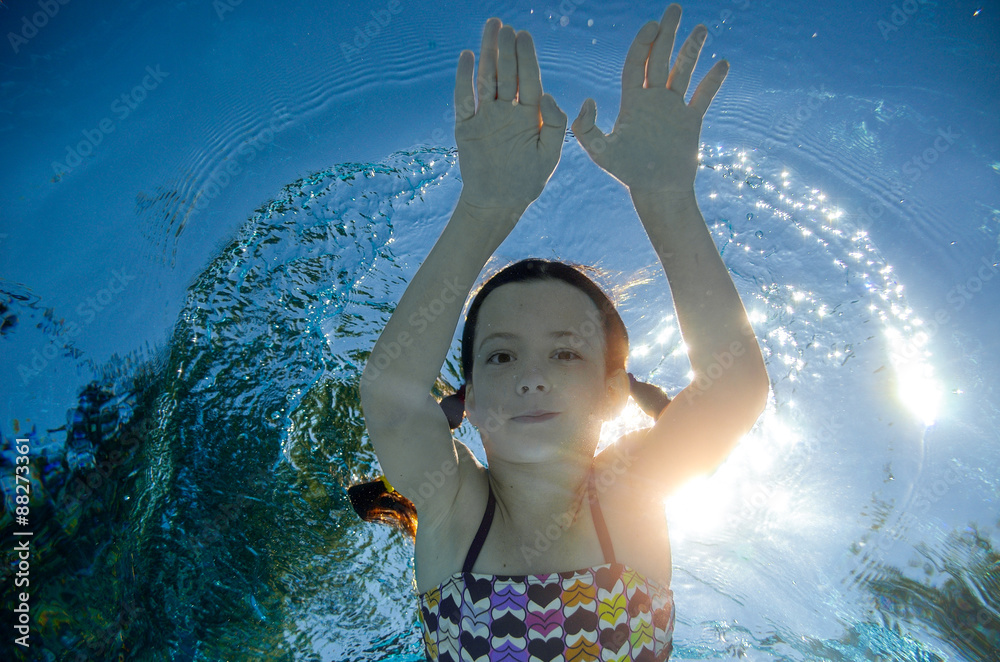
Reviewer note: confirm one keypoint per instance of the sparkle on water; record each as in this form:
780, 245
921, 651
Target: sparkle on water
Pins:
704, 504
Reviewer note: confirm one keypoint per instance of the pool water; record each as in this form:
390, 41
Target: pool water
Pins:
211, 208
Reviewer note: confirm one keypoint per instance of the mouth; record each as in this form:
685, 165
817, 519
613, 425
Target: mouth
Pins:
535, 416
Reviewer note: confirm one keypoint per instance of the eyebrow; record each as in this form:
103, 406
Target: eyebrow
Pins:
503, 335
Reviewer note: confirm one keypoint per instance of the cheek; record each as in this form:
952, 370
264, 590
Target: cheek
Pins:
481, 403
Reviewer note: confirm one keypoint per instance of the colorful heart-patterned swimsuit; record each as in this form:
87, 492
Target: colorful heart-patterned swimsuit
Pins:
606, 612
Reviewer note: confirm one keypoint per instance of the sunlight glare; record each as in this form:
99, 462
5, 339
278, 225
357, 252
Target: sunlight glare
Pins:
631, 419
699, 506
916, 385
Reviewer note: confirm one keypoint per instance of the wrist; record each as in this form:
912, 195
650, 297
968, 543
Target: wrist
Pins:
671, 199
483, 223
489, 210
660, 194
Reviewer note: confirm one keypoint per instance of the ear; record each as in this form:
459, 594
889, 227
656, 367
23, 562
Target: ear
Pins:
618, 389
470, 404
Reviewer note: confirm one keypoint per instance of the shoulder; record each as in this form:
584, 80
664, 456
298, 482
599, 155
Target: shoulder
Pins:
633, 508
624, 483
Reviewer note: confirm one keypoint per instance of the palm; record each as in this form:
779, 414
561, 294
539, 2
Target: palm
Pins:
654, 144
507, 150
504, 140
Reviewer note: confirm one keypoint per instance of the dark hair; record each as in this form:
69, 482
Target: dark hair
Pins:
534, 269
376, 503
650, 398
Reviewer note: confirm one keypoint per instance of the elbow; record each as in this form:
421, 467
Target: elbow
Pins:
376, 385
374, 396
746, 394
752, 382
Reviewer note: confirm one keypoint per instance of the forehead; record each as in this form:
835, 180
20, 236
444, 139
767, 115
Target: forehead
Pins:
542, 306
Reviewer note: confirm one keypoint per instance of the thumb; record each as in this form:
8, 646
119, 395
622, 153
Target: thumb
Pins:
590, 137
553, 121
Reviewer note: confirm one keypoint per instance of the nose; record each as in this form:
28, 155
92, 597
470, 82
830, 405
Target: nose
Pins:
533, 381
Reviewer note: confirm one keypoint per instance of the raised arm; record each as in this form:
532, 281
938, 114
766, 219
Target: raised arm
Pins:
507, 149
653, 150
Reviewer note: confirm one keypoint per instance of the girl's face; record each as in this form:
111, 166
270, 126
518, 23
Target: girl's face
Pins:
538, 382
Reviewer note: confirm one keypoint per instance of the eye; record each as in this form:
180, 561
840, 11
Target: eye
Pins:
500, 357
567, 355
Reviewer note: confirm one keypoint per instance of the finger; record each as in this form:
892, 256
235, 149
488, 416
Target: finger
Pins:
486, 81
680, 76
529, 78
554, 120
634, 71
709, 86
659, 55
465, 102
506, 65
589, 136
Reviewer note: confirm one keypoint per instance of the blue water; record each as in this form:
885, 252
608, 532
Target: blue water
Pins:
219, 249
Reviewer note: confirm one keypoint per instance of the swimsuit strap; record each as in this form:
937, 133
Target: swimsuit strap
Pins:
484, 528
602, 528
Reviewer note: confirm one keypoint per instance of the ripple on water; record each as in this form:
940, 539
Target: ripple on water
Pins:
240, 524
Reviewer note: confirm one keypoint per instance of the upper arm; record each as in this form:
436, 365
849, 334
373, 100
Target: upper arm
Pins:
416, 449
695, 433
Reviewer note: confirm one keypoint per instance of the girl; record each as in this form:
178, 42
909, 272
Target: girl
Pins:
552, 552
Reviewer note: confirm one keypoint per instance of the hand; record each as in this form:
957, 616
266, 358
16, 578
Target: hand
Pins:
509, 145
653, 148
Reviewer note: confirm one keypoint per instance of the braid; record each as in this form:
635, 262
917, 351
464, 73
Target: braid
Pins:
454, 407
376, 501
651, 399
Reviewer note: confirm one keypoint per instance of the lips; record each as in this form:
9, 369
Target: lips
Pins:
536, 416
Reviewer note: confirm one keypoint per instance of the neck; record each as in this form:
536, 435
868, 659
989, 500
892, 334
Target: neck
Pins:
533, 497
